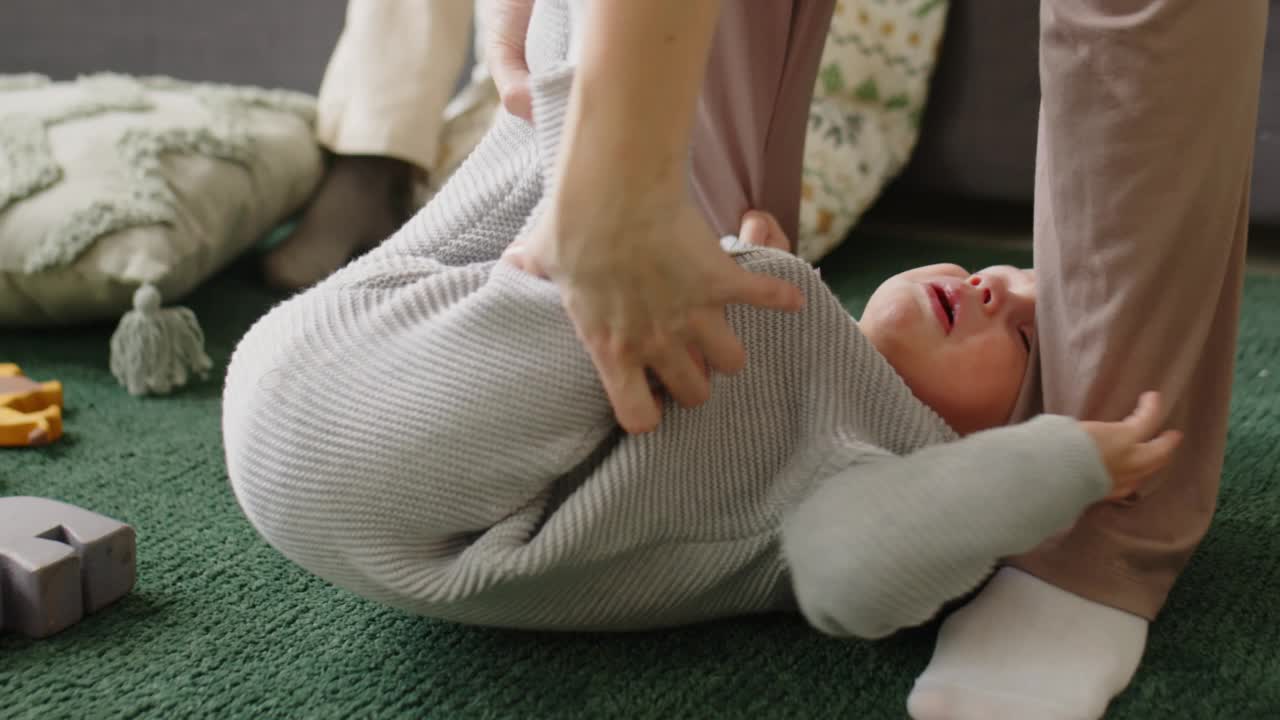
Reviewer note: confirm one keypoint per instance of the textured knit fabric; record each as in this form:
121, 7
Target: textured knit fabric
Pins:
425, 429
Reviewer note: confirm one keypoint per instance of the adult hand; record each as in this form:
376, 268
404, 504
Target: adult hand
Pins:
1131, 449
649, 293
507, 25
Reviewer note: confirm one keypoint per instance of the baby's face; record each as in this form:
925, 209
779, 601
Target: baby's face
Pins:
960, 340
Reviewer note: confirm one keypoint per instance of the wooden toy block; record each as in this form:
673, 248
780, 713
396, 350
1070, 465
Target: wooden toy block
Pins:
30, 411
59, 562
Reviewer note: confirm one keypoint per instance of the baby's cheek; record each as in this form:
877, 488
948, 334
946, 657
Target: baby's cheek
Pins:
900, 318
998, 380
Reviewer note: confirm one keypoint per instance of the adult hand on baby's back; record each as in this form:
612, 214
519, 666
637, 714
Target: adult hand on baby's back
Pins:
508, 24
1131, 449
646, 289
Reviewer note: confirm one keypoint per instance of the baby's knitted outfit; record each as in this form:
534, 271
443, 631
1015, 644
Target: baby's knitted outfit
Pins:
425, 429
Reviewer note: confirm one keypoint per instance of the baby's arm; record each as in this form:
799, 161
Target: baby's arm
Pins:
883, 544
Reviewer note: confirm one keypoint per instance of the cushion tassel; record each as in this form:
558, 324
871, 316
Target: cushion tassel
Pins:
155, 350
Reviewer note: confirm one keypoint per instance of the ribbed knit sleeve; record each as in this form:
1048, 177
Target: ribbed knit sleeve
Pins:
882, 543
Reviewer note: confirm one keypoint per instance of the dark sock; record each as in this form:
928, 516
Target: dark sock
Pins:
362, 200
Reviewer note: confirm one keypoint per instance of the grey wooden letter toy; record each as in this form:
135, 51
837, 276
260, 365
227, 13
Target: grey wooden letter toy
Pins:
59, 562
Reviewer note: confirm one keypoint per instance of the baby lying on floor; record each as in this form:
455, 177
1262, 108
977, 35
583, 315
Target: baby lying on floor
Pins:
425, 429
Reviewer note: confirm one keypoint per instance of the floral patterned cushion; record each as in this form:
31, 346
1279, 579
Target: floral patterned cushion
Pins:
865, 115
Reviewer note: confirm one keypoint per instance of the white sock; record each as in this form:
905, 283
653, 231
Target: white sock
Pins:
1028, 650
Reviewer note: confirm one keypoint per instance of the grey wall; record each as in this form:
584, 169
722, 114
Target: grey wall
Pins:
275, 43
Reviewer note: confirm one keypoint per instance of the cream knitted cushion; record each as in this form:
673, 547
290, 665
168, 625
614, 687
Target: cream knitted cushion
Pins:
117, 191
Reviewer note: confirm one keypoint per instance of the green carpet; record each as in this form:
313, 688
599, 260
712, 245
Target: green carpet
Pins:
221, 626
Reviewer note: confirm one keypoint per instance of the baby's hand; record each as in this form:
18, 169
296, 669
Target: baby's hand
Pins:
761, 228
1128, 447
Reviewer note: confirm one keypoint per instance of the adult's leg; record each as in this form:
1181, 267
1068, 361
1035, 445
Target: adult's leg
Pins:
748, 142
1147, 124
380, 110
1143, 194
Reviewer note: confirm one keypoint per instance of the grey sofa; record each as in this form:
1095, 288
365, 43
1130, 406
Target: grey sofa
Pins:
979, 132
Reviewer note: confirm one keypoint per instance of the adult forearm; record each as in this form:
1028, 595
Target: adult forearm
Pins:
631, 112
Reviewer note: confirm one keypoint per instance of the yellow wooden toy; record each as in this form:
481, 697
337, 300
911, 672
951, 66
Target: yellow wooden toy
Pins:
30, 412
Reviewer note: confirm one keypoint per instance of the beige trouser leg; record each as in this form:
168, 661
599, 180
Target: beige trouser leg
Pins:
748, 141
1146, 142
392, 73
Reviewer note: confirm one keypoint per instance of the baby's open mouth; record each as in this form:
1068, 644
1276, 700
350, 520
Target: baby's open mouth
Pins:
948, 307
